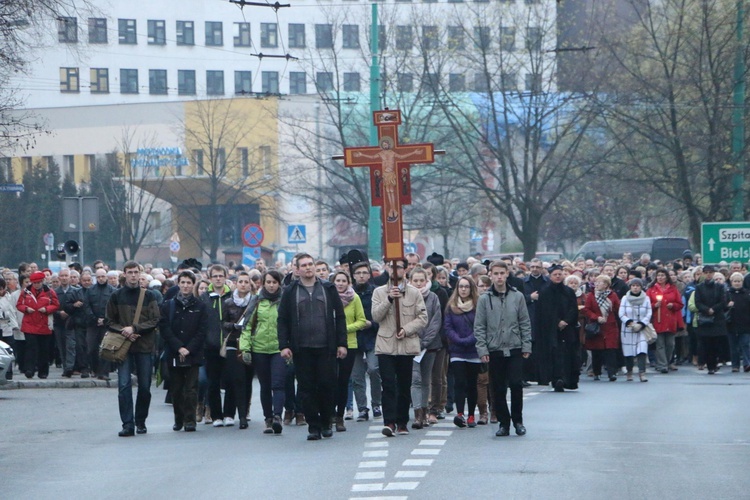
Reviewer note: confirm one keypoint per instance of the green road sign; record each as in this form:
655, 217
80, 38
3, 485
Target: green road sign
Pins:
725, 241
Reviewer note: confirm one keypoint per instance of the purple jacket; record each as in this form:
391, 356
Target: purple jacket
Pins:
459, 328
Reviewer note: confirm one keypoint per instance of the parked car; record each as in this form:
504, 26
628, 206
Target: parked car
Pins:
661, 248
6, 359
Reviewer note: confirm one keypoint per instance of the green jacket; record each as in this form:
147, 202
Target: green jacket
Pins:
264, 316
355, 321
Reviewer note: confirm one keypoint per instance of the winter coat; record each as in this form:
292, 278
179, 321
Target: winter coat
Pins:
609, 331
502, 324
121, 313
430, 336
215, 303
667, 320
413, 315
459, 328
76, 315
95, 302
260, 333
232, 315
184, 325
634, 343
366, 336
739, 313
8, 316
37, 322
355, 321
711, 295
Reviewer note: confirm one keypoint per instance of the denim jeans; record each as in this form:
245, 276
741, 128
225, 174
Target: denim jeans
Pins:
142, 364
739, 349
271, 372
421, 378
366, 363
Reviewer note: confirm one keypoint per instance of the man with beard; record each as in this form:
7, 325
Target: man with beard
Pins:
558, 344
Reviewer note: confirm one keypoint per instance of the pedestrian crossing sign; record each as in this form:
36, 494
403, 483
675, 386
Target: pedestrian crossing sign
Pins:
296, 234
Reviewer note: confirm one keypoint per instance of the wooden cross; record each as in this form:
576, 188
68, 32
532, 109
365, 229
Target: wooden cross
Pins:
390, 176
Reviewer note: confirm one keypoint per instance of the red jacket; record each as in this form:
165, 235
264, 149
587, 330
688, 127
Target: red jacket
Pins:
37, 322
609, 338
667, 320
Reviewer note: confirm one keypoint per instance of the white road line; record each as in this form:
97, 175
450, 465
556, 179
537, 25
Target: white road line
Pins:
379, 498
438, 433
425, 452
375, 454
372, 464
418, 462
375, 436
443, 425
368, 487
369, 475
412, 485
379, 444
405, 474
432, 442
376, 428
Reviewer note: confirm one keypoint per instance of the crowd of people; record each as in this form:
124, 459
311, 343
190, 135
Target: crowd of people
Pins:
431, 336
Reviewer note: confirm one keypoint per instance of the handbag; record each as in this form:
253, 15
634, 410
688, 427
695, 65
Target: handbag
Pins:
705, 320
592, 329
115, 346
649, 333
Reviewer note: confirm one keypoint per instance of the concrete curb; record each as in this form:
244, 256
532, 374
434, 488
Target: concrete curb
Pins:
57, 384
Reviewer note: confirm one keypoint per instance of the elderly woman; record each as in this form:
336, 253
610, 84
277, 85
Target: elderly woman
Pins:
635, 315
666, 302
602, 306
738, 323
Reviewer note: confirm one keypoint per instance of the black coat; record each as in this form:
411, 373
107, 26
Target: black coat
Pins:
711, 295
95, 302
184, 325
620, 287
77, 315
531, 285
557, 302
739, 316
215, 304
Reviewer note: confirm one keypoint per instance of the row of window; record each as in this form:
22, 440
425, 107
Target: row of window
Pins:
243, 82
324, 35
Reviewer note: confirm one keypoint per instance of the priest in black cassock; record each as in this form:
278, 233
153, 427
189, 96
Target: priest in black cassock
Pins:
557, 344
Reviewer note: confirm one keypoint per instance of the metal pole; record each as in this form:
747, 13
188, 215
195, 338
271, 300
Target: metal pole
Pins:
320, 181
738, 120
80, 230
374, 231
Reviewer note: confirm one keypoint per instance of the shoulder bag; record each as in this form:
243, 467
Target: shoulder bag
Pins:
115, 345
649, 332
592, 329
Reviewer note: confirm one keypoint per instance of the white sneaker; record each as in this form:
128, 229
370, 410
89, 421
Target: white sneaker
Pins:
228, 421
349, 414
218, 423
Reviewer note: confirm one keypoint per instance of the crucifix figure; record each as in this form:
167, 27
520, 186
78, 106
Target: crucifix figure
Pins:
390, 184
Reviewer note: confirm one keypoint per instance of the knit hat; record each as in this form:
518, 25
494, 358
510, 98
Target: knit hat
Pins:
36, 277
687, 254
706, 269
636, 281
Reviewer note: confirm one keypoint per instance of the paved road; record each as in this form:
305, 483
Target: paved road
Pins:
682, 435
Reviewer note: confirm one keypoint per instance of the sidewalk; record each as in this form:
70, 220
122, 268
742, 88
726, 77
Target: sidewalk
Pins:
55, 380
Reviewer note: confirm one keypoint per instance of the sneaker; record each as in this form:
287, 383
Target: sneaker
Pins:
377, 412
288, 417
402, 430
228, 421
459, 420
276, 424
349, 414
440, 416
470, 421
269, 428
300, 419
207, 415
389, 430
218, 423
363, 416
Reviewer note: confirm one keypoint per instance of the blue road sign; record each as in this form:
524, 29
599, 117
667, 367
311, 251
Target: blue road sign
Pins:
250, 255
11, 188
296, 234
410, 248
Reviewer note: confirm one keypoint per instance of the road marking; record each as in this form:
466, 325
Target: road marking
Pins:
380, 444
427, 451
418, 462
404, 474
368, 487
438, 433
432, 442
379, 498
443, 425
372, 464
375, 454
369, 475
411, 485
376, 428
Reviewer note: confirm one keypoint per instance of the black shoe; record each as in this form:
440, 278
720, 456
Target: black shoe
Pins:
502, 431
141, 429
29, 374
665, 371
313, 436
177, 427
389, 430
85, 374
243, 423
326, 432
276, 424
67, 373
559, 386
128, 432
190, 428
42, 377
612, 378
520, 430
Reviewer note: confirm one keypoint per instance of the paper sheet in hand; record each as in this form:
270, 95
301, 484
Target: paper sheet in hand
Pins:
418, 358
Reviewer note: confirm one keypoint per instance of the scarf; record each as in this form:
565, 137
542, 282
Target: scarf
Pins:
241, 301
636, 300
434, 286
605, 305
462, 307
347, 296
425, 290
266, 295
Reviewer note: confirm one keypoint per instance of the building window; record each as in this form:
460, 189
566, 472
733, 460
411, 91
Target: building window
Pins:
297, 82
185, 82
244, 157
67, 29
221, 160
456, 82
185, 33
351, 82
88, 165
6, 169
241, 34
198, 161
534, 39
128, 81
270, 82
157, 81
127, 31
214, 34
405, 82
296, 36
69, 80
456, 38
481, 84
157, 32
431, 82
350, 33
324, 81
99, 81
243, 82
265, 160
508, 82
507, 39
482, 37
324, 36
533, 82
403, 38
268, 38
430, 37
214, 82
26, 164
69, 166
531, 2
97, 30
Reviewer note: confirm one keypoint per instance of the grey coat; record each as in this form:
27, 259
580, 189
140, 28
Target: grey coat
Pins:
502, 325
